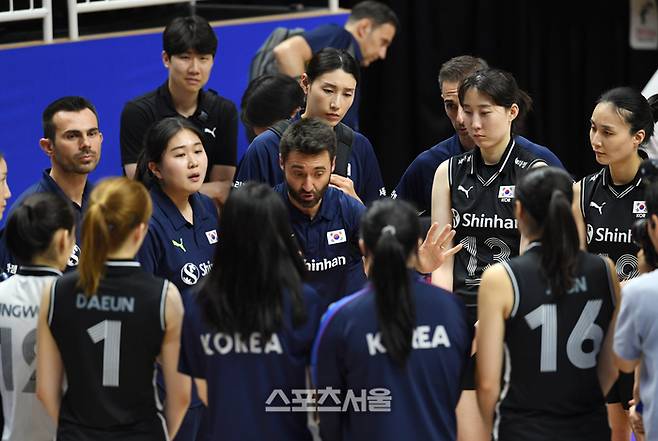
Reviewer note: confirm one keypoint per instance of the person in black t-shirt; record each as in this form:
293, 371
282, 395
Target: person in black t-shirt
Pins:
104, 326
546, 320
189, 47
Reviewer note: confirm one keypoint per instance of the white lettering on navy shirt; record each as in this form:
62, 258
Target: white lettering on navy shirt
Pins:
221, 343
420, 340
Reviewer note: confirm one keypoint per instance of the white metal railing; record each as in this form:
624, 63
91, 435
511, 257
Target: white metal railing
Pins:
76, 7
45, 12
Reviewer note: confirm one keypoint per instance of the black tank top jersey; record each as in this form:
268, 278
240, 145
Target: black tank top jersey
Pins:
550, 381
483, 213
109, 343
609, 212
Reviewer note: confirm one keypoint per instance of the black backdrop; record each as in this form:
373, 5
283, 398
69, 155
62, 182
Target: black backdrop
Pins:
563, 57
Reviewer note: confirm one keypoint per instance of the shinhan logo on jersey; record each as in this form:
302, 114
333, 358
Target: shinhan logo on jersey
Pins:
639, 208
605, 234
482, 221
74, 258
190, 273
336, 236
506, 193
325, 264
212, 236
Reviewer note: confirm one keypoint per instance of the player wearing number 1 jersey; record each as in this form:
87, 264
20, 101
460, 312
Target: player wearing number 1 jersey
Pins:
40, 235
610, 201
104, 325
476, 190
543, 326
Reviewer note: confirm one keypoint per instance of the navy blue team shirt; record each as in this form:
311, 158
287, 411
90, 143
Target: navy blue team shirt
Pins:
175, 249
349, 354
415, 185
333, 35
260, 163
330, 243
48, 185
242, 374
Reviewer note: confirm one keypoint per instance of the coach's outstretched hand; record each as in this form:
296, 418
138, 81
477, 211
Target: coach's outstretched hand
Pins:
434, 250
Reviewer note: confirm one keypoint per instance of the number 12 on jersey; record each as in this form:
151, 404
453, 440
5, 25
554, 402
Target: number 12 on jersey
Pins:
110, 332
545, 316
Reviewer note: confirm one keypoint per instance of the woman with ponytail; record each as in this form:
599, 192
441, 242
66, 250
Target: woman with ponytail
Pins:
610, 201
40, 236
103, 327
543, 322
400, 340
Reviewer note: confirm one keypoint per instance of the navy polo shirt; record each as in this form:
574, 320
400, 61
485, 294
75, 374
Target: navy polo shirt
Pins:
260, 163
333, 35
415, 186
243, 374
175, 249
330, 243
48, 185
349, 355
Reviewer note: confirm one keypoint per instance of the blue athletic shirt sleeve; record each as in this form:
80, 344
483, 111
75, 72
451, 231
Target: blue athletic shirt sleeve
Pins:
149, 252
329, 35
370, 183
260, 162
411, 187
192, 358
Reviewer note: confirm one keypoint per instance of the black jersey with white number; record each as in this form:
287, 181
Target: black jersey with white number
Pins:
109, 343
551, 389
609, 212
483, 213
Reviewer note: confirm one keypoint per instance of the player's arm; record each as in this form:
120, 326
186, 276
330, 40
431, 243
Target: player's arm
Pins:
50, 368
221, 180
627, 343
442, 215
578, 216
178, 385
606, 369
495, 302
202, 389
292, 55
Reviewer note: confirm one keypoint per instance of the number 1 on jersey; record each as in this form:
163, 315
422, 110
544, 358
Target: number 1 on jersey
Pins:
110, 332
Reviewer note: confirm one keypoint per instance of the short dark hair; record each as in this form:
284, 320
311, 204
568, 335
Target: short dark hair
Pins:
64, 104
330, 59
155, 144
185, 33
378, 12
308, 136
458, 68
503, 90
270, 98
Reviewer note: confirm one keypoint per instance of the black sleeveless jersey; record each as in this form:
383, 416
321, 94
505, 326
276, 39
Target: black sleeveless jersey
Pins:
609, 212
483, 214
109, 343
550, 380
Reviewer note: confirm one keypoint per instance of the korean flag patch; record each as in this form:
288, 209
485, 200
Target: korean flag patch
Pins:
506, 192
639, 207
212, 236
337, 236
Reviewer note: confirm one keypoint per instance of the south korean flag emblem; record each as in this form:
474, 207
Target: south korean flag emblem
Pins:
640, 209
506, 193
212, 236
336, 236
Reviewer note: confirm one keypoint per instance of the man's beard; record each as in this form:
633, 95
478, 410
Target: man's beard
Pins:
307, 203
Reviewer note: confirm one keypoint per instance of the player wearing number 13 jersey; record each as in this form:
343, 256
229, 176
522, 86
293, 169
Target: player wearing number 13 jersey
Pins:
104, 325
543, 326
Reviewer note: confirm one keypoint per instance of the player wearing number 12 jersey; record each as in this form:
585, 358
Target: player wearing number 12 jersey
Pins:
104, 325
40, 235
543, 325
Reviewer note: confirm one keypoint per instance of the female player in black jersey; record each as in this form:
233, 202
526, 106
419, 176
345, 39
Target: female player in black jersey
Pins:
608, 202
40, 236
249, 330
103, 327
546, 320
475, 190
399, 338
